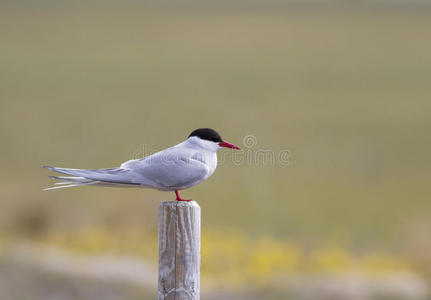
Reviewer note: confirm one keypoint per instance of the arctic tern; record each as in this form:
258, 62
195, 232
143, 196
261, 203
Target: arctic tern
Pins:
173, 169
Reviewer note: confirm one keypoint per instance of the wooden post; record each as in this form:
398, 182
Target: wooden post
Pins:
179, 250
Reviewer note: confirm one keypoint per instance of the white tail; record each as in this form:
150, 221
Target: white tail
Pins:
100, 177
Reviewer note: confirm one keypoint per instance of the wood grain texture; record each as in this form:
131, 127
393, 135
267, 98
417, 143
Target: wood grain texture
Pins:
179, 250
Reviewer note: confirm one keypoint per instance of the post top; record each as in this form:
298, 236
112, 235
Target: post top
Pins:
179, 204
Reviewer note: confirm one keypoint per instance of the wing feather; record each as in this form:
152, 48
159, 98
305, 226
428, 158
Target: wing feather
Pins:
170, 169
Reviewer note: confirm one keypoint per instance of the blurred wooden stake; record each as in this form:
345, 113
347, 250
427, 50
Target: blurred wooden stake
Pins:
179, 250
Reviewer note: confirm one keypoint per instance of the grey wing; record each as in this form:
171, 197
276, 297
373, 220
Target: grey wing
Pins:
171, 169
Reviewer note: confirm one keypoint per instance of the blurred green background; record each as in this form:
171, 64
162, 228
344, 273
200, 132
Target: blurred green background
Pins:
344, 87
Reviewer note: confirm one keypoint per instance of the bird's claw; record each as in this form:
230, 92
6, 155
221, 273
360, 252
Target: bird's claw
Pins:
185, 200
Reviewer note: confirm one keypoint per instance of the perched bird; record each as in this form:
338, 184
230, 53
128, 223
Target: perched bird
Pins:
173, 169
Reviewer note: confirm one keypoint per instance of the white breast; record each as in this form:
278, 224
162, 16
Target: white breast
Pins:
212, 164
209, 159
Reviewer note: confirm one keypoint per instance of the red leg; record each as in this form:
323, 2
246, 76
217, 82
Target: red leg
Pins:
179, 198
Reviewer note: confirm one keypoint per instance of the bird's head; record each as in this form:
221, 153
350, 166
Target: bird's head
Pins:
209, 139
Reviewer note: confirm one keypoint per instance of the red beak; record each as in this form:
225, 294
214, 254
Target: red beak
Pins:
229, 145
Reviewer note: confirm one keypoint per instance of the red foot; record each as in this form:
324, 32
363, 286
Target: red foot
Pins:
181, 199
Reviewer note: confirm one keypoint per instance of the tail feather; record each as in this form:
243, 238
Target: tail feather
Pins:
65, 185
70, 179
100, 177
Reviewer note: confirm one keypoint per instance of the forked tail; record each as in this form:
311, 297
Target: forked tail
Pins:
101, 177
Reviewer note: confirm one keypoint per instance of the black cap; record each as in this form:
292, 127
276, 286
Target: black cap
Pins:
207, 134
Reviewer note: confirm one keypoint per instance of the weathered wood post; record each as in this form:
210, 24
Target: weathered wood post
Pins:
179, 250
